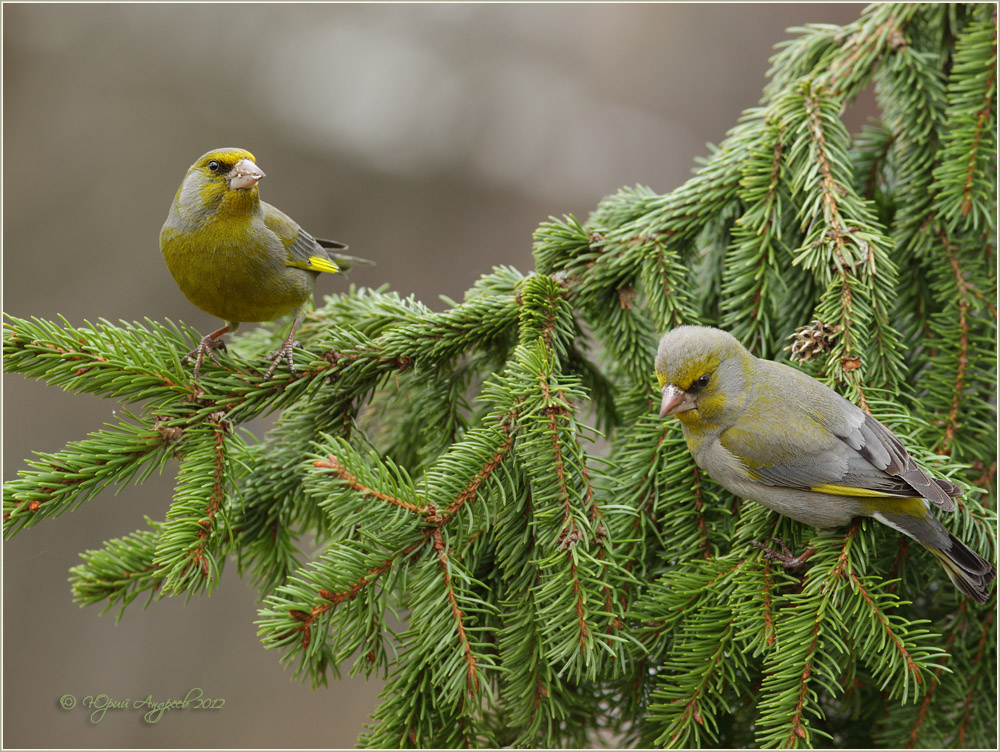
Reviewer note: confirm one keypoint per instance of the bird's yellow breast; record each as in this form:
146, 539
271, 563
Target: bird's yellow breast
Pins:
235, 270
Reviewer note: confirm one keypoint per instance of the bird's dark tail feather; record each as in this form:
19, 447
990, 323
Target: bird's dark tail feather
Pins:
969, 572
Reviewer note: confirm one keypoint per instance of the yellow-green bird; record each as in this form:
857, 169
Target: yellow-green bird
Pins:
771, 434
237, 257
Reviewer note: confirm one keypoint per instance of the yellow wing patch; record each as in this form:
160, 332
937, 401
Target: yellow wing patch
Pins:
830, 488
316, 264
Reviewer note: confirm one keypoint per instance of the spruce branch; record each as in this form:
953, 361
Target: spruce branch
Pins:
757, 243
130, 363
965, 179
61, 481
119, 572
434, 506
688, 706
877, 34
195, 537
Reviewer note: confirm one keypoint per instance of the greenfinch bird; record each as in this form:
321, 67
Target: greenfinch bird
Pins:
771, 434
237, 257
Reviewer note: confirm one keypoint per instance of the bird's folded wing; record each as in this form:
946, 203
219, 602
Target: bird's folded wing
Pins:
857, 456
303, 250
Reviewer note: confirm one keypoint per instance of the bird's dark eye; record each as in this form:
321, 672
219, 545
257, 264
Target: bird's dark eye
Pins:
214, 166
702, 381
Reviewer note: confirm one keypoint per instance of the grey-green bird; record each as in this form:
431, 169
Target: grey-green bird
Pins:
771, 434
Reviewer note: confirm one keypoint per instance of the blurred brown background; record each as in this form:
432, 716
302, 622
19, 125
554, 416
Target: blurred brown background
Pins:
433, 138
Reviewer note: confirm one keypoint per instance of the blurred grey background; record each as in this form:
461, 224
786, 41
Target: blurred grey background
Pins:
432, 138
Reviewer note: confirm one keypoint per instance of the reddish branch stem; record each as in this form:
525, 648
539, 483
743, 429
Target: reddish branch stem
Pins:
351, 481
830, 192
215, 499
471, 676
887, 629
982, 117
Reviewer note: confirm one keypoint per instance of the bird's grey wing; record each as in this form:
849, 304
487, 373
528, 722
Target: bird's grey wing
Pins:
877, 444
831, 444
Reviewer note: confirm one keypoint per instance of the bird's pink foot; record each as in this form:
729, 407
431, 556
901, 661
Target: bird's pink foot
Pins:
785, 558
209, 344
283, 353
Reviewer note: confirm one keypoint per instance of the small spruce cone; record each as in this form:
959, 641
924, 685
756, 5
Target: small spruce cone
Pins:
811, 340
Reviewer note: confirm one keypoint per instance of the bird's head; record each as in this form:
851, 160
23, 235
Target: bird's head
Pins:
221, 180
702, 373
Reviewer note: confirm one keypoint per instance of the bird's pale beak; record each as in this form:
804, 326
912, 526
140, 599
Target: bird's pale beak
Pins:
245, 174
675, 400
